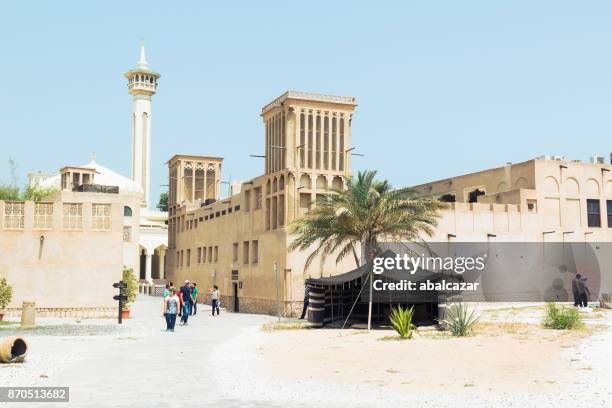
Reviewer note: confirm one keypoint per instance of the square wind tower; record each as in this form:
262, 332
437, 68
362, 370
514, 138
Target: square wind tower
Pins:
308, 133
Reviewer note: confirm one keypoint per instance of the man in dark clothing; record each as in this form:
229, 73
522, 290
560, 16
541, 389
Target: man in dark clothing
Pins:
187, 299
306, 301
583, 292
575, 290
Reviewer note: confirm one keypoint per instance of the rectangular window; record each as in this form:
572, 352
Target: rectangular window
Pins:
302, 146
334, 144
245, 252
189, 257
532, 206
593, 214
341, 144
235, 252
326, 143
255, 252
181, 257
609, 205
188, 183
310, 141
100, 217
43, 215
203, 254
210, 257
73, 216
199, 255
178, 259
216, 254
247, 200
14, 215
318, 142
258, 198
127, 234
199, 182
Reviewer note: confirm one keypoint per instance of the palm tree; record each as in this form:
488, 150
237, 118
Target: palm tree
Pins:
367, 212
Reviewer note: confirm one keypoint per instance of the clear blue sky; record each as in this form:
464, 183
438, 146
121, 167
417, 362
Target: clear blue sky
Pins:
444, 87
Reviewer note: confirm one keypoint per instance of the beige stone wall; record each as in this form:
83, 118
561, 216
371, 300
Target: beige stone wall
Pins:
76, 312
59, 268
265, 206
498, 180
553, 209
245, 225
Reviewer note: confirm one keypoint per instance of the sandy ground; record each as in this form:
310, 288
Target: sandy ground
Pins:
229, 361
511, 361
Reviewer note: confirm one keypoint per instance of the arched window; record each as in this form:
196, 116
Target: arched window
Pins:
127, 211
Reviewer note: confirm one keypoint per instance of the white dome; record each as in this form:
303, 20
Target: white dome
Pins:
104, 176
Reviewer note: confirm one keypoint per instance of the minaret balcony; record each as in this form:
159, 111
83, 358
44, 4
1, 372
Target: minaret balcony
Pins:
142, 86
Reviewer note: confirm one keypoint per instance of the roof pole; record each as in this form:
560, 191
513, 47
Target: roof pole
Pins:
370, 302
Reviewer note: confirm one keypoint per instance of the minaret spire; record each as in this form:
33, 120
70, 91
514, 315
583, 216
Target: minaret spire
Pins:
142, 61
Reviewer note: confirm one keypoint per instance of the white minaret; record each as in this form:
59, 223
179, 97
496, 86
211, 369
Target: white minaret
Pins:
142, 84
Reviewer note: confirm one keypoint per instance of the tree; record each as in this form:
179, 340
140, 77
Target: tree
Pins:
37, 193
6, 293
367, 212
131, 289
162, 205
10, 191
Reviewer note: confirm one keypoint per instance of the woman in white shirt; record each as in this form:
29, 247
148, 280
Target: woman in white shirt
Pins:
171, 307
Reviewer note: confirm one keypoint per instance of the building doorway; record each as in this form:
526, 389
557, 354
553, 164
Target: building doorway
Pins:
236, 300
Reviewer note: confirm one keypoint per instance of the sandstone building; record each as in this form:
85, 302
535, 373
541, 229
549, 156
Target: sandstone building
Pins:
236, 242
66, 251
545, 199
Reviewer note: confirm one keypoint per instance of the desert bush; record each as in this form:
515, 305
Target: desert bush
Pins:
561, 317
460, 320
401, 320
6, 293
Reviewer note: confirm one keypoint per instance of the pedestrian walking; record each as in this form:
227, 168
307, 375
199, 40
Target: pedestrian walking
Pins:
575, 290
186, 295
194, 296
584, 292
171, 307
214, 296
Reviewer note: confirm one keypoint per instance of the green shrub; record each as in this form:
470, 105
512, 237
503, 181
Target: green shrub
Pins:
561, 317
38, 193
461, 321
132, 287
401, 320
6, 293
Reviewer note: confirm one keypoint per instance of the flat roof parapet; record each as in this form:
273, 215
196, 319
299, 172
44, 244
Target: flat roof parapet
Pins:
307, 96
